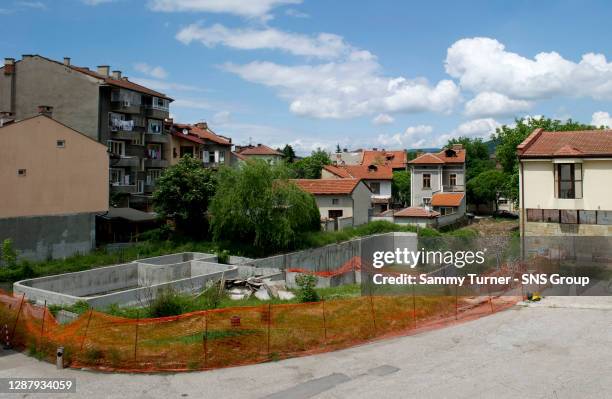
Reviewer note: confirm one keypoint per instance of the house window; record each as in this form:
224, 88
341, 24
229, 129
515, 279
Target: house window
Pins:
569, 216
154, 151
587, 217
447, 210
568, 178
550, 215
186, 150
61, 143
116, 176
604, 217
160, 103
334, 213
138, 139
426, 201
452, 179
116, 147
21, 172
375, 187
154, 126
534, 215
221, 156
153, 175
426, 180
335, 201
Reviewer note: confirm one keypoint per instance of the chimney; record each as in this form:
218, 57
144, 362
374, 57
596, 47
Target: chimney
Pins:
117, 75
46, 110
375, 149
104, 70
202, 125
9, 66
258, 144
457, 146
67, 61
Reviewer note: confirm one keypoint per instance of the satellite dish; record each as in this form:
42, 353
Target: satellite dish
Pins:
185, 131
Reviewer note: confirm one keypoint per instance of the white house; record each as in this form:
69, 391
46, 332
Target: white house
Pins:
345, 201
565, 183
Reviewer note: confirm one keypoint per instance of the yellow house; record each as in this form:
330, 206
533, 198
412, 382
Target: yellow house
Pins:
53, 181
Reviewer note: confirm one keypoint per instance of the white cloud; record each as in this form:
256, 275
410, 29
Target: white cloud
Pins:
222, 117
96, 2
32, 4
483, 64
383, 119
495, 104
153, 71
413, 137
191, 103
324, 45
601, 118
248, 8
423, 136
348, 88
292, 12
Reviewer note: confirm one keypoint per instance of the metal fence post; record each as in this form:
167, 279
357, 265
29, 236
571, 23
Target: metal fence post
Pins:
136, 335
42, 328
17, 318
373, 314
269, 325
414, 306
205, 338
456, 303
324, 322
86, 329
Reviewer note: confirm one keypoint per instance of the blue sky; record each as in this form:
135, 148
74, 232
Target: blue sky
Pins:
390, 74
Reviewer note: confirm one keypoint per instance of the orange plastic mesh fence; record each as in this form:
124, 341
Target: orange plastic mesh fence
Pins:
231, 336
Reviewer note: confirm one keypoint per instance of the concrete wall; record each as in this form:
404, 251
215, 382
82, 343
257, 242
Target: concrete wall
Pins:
73, 95
50, 237
325, 204
344, 223
362, 201
57, 181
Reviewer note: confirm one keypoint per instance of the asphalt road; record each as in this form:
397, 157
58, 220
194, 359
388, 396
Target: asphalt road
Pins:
559, 348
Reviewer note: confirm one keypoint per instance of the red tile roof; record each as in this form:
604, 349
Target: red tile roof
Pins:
447, 199
122, 83
578, 143
259, 149
241, 157
416, 212
446, 156
395, 159
366, 172
189, 137
327, 186
203, 133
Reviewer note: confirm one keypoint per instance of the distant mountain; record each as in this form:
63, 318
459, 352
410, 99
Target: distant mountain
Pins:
491, 146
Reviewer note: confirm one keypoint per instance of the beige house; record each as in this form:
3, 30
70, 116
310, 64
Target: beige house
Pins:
53, 181
564, 183
260, 151
200, 142
345, 201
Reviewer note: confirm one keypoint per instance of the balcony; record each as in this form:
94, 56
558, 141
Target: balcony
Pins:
125, 162
126, 107
453, 189
157, 113
123, 188
156, 163
156, 138
124, 135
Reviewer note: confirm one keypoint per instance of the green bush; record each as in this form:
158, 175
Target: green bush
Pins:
306, 291
8, 254
168, 303
223, 256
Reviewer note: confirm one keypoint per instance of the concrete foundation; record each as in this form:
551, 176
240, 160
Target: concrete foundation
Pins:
128, 284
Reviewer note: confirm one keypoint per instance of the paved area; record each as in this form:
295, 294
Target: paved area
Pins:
559, 348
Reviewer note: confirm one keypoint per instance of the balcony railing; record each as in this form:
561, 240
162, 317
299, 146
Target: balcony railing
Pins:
156, 163
453, 189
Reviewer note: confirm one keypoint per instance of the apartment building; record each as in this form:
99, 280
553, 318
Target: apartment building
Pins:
48, 205
438, 183
199, 142
105, 105
378, 178
564, 183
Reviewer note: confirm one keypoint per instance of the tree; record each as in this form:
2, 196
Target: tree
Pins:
310, 167
183, 192
258, 205
477, 156
400, 187
509, 137
487, 186
288, 154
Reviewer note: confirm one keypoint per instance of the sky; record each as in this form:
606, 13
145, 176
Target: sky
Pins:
359, 74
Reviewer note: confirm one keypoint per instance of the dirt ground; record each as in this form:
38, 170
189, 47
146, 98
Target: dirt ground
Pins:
495, 226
